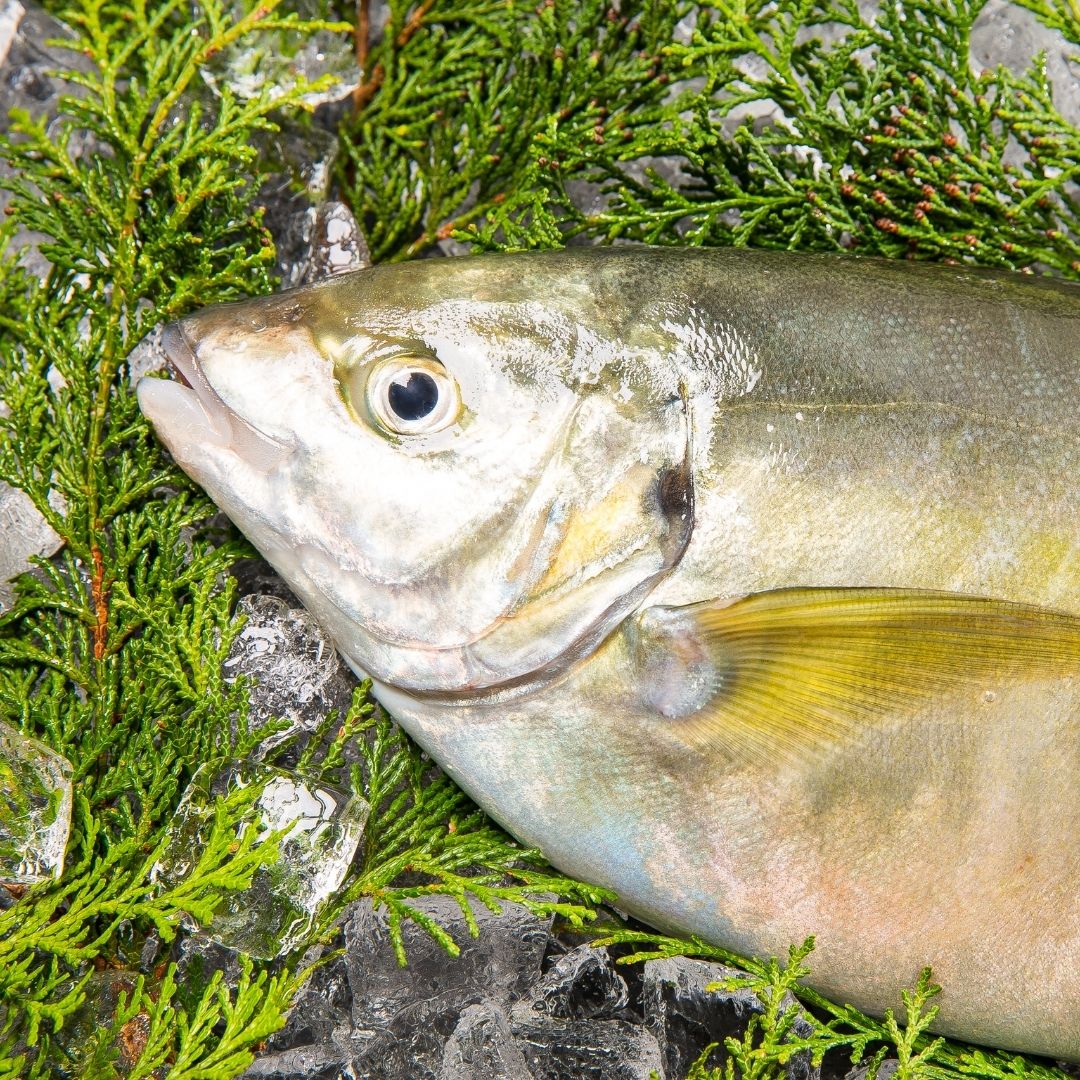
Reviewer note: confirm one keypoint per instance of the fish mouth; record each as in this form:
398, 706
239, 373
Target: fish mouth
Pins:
185, 410
190, 415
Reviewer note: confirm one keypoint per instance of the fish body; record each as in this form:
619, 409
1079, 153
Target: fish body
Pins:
743, 583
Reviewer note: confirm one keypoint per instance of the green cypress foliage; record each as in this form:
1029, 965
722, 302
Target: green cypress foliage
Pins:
501, 125
488, 125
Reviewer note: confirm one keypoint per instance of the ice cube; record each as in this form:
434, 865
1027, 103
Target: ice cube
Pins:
35, 809
295, 672
23, 532
322, 830
275, 60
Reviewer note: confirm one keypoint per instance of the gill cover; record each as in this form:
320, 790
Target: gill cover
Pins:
619, 513
526, 592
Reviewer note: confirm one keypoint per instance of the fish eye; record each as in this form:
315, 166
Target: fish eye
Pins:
412, 395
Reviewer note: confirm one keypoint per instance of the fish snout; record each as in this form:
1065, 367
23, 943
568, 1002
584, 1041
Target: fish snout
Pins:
189, 411
185, 411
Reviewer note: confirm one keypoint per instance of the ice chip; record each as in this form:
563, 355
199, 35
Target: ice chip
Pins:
91, 1029
685, 1016
295, 671
322, 827
559, 1049
582, 985
23, 532
148, 356
35, 809
321, 241
498, 965
482, 1044
275, 60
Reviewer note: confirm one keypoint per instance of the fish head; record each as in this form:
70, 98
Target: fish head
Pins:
468, 470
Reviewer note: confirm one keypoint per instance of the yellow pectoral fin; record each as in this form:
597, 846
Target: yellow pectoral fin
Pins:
790, 671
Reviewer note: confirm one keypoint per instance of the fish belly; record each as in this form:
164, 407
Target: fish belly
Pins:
947, 838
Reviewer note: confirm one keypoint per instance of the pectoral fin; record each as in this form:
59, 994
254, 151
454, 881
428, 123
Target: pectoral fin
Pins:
791, 671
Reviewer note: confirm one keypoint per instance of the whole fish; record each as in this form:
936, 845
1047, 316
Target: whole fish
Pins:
746, 584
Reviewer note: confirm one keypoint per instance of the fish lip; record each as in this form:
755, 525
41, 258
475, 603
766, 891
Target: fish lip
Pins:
185, 410
179, 354
184, 365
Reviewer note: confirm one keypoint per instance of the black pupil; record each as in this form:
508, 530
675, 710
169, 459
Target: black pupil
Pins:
413, 396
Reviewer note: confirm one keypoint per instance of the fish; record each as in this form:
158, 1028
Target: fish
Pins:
745, 584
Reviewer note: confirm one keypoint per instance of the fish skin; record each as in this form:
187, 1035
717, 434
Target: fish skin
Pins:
645, 430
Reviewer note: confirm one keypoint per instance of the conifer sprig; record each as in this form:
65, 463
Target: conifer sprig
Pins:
782, 1029
733, 126
464, 104
112, 654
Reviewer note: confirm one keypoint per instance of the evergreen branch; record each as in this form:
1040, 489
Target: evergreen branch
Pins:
907, 153
781, 1030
